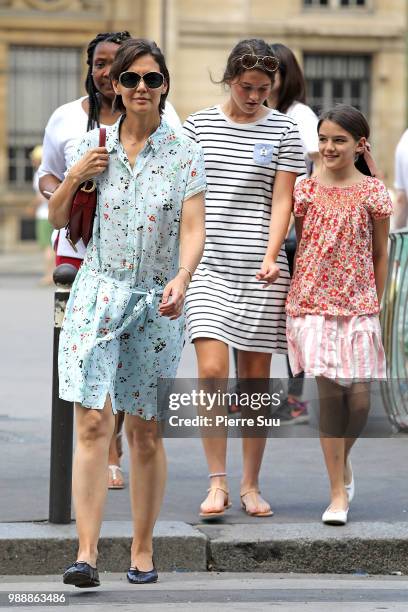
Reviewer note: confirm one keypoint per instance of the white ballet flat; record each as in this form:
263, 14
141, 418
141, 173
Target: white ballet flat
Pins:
338, 517
350, 488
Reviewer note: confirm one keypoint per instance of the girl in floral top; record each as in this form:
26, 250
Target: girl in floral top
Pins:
333, 329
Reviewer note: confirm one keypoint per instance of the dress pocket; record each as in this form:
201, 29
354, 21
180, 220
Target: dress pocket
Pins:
263, 153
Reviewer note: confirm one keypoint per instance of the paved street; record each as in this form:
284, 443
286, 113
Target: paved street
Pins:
293, 476
234, 592
293, 479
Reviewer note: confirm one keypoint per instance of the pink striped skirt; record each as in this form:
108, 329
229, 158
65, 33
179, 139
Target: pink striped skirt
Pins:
345, 349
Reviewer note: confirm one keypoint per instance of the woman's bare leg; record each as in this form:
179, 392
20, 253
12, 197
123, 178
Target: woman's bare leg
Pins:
90, 475
148, 471
254, 365
115, 451
358, 404
213, 363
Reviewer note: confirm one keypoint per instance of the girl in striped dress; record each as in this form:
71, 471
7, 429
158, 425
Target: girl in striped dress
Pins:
252, 157
333, 329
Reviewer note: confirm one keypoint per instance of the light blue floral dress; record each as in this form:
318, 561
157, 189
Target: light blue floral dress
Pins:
113, 340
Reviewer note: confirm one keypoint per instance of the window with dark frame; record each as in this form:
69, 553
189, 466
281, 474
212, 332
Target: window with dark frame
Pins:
334, 3
337, 79
316, 2
40, 80
352, 3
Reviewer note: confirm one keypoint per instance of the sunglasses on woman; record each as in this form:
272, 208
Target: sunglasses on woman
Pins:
131, 80
250, 61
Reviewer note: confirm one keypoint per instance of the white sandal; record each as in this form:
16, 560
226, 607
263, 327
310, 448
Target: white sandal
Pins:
113, 470
256, 513
213, 490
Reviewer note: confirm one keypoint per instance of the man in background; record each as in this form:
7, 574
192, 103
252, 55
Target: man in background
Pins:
401, 183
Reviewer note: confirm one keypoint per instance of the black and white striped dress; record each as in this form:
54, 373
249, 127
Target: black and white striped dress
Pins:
224, 300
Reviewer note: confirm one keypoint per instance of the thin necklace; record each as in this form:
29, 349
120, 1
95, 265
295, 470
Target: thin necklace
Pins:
129, 135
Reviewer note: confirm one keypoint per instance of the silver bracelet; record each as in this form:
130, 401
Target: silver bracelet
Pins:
187, 270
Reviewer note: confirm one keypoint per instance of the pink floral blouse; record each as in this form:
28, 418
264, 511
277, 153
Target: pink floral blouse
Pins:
334, 269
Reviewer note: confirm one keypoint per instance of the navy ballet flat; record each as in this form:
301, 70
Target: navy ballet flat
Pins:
82, 575
136, 576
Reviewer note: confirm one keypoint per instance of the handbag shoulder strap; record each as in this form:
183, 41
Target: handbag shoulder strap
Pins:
102, 137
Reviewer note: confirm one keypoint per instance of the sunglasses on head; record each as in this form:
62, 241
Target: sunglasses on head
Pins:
249, 61
152, 80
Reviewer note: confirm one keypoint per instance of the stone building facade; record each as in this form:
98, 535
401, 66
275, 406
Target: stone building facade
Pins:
351, 50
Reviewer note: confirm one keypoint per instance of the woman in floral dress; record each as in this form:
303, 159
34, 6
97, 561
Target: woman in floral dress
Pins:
123, 327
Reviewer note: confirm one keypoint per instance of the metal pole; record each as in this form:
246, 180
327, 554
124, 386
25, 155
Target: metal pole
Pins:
62, 417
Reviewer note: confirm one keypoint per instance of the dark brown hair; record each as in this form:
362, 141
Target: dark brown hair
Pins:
253, 46
353, 121
129, 52
293, 86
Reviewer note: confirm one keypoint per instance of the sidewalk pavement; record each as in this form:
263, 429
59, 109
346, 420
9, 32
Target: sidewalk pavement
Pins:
293, 479
22, 263
360, 547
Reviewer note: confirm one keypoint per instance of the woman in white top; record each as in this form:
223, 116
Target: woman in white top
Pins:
288, 96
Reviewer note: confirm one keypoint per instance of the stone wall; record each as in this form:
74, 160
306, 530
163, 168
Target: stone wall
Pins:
197, 36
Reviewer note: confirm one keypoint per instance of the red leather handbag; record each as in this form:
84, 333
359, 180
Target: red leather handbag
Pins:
81, 218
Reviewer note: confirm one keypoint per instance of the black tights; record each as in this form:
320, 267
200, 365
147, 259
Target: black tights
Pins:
343, 410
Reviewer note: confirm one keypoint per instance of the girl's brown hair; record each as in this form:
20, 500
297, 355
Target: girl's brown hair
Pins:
293, 87
251, 46
353, 121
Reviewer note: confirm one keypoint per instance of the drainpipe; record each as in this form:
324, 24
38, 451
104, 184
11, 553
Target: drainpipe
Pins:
406, 64
164, 16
